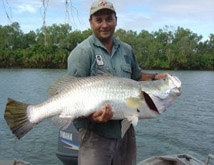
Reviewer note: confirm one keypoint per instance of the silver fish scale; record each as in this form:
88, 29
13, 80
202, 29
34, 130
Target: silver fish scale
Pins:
92, 95
76, 97
82, 96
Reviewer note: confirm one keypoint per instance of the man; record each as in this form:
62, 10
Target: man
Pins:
104, 141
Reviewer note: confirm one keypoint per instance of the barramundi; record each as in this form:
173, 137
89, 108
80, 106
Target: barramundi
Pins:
73, 97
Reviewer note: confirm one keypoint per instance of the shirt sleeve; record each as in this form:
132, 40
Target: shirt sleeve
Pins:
79, 63
136, 70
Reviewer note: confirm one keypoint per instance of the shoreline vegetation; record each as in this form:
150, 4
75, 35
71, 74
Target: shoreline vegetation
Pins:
178, 49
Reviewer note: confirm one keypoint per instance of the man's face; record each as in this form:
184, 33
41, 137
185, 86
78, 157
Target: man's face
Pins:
103, 24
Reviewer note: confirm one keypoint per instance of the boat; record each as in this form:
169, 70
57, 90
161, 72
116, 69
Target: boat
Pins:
179, 159
13, 162
68, 152
68, 146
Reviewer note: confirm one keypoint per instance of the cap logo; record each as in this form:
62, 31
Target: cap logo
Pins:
102, 4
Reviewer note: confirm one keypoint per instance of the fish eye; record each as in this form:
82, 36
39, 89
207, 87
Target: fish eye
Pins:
138, 110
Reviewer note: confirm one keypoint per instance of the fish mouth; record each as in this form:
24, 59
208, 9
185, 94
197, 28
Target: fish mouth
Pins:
175, 80
150, 103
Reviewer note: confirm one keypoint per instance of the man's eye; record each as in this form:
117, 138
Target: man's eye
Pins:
109, 19
98, 20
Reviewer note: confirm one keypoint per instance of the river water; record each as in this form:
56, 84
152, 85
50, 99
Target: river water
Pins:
186, 127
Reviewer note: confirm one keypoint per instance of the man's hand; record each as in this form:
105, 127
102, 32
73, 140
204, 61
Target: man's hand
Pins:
161, 76
103, 115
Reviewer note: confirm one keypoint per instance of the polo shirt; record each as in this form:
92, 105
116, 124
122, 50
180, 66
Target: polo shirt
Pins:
91, 58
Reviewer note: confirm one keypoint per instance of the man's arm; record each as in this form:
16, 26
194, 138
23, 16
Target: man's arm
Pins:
79, 63
149, 76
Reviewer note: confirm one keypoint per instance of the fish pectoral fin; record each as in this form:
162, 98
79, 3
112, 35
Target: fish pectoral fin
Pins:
133, 120
125, 124
133, 102
61, 122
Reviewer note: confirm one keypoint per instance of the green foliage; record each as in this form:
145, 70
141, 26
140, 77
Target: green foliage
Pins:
162, 49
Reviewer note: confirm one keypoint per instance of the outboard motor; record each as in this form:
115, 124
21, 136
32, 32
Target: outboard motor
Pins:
68, 146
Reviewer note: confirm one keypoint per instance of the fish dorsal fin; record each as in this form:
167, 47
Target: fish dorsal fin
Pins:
133, 102
133, 120
60, 84
61, 123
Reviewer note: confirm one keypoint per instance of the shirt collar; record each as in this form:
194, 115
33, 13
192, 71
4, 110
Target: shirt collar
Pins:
97, 42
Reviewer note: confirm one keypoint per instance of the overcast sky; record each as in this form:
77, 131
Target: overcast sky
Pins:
136, 15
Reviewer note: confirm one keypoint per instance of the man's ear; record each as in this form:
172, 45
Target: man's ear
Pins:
90, 19
116, 19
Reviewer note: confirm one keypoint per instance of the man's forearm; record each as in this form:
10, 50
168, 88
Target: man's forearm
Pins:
147, 76
150, 76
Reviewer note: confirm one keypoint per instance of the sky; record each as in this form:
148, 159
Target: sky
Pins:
136, 15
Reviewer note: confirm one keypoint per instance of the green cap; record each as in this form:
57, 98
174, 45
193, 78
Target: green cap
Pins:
101, 4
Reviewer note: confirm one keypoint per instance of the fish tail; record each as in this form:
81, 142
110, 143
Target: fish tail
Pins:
17, 119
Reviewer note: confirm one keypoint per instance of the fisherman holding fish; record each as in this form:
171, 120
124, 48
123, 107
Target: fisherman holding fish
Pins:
104, 96
104, 141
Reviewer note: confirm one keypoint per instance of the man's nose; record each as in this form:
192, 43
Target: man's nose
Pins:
104, 24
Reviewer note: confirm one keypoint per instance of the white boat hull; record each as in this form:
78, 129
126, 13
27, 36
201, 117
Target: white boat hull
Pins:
180, 159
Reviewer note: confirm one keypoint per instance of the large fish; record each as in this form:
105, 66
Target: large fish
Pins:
75, 97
